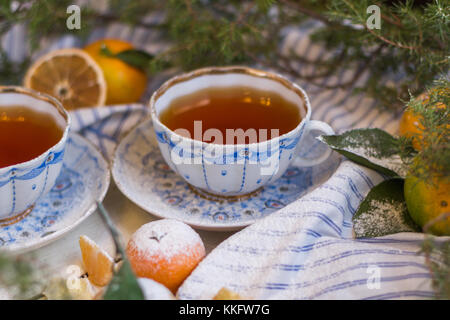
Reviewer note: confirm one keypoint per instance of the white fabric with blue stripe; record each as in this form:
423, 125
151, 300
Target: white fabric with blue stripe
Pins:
305, 250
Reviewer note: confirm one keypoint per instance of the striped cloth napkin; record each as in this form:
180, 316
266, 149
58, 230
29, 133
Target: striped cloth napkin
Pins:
306, 250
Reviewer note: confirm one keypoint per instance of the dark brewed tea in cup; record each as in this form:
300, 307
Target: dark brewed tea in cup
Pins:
25, 134
234, 108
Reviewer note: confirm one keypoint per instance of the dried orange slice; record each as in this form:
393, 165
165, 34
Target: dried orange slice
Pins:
97, 262
69, 75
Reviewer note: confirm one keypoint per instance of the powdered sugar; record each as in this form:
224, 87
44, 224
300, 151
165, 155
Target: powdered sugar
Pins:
374, 145
166, 237
385, 217
393, 163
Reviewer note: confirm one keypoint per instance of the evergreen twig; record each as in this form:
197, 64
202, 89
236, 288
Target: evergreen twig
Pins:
414, 34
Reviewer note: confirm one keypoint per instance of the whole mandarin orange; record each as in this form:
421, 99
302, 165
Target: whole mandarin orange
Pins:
125, 83
166, 251
410, 123
410, 127
428, 202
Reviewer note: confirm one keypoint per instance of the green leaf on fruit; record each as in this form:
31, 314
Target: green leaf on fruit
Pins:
136, 58
372, 148
383, 212
124, 284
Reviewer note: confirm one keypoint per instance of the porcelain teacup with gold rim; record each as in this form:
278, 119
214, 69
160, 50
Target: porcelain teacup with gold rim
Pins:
234, 169
23, 184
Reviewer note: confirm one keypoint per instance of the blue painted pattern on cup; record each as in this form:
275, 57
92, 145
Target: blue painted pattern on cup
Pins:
22, 184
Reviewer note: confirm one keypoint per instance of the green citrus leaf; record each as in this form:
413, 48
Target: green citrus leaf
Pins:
383, 211
124, 285
373, 148
136, 58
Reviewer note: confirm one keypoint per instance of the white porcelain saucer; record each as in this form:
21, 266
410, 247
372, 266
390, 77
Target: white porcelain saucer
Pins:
142, 175
83, 181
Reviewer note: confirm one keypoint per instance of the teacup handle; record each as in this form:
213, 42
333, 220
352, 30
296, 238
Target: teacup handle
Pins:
319, 126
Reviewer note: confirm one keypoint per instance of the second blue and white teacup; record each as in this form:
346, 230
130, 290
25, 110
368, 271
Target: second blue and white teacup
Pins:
234, 169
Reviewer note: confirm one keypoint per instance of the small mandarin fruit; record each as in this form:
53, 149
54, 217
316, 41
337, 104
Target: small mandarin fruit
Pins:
97, 263
226, 294
166, 251
125, 83
410, 125
428, 203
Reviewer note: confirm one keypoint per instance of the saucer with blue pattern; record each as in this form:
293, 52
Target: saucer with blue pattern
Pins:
143, 176
84, 180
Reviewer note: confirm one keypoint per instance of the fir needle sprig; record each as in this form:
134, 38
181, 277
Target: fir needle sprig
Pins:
413, 39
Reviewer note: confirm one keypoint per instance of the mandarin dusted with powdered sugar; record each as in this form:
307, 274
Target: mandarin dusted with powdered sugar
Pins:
166, 251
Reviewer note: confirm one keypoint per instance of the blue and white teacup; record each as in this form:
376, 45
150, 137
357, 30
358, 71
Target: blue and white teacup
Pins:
234, 169
23, 184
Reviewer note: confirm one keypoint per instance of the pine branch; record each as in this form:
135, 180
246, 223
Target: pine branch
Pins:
309, 12
220, 32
